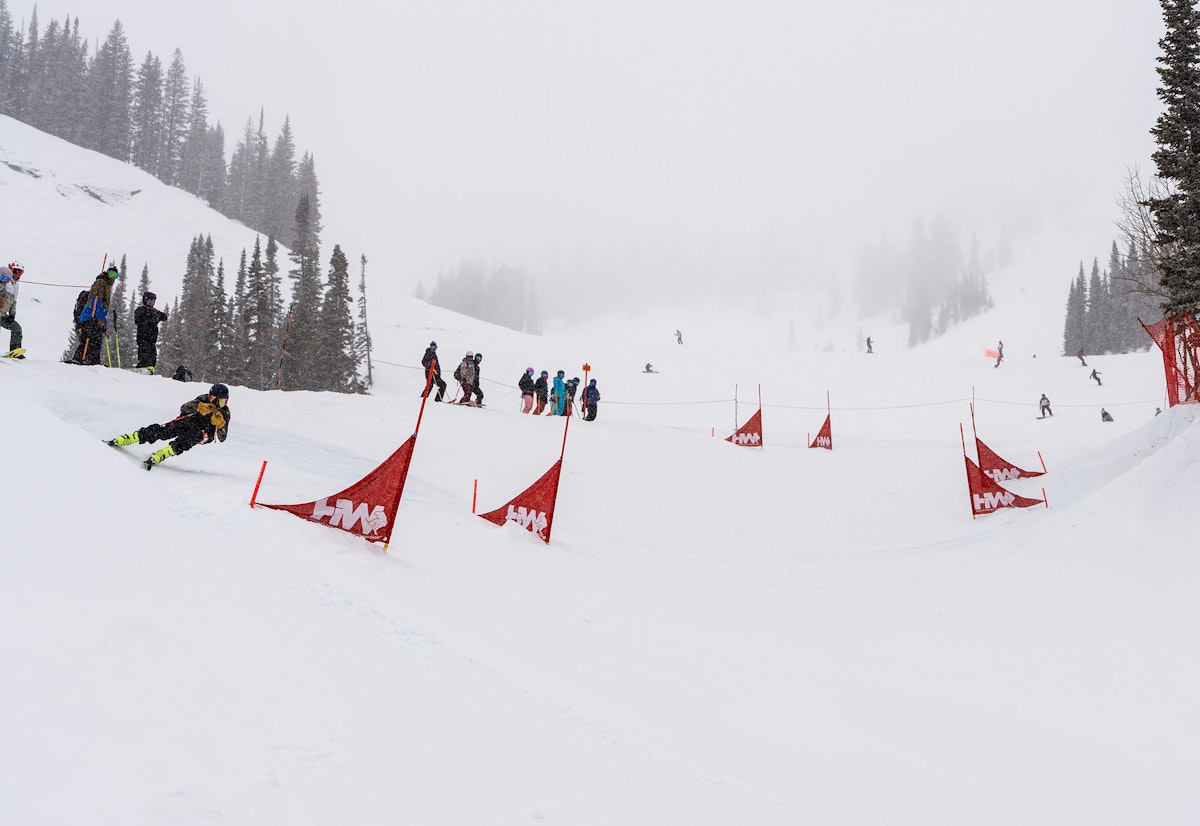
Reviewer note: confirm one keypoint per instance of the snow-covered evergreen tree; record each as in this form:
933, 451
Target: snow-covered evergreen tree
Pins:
335, 359
304, 331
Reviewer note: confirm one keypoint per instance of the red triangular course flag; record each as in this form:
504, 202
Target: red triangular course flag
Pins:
987, 496
749, 434
368, 507
824, 435
533, 508
1000, 470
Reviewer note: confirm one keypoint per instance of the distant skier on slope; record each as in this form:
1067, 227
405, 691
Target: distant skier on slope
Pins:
1044, 405
1105, 416
1096, 375
200, 421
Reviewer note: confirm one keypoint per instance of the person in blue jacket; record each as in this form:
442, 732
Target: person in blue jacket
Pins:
92, 321
559, 394
591, 398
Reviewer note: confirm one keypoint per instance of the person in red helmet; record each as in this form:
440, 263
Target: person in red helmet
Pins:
10, 282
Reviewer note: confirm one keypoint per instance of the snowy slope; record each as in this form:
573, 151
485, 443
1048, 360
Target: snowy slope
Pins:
717, 635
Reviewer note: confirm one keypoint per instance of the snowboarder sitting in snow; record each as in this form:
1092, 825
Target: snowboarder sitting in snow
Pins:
10, 282
1105, 416
430, 360
1096, 375
591, 398
147, 318
649, 368
541, 389
200, 421
1044, 404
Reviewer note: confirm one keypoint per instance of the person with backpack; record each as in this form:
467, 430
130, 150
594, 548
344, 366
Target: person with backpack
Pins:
541, 389
465, 374
92, 320
147, 318
525, 385
430, 361
475, 388
10, 283
591, 399
200, 421
572, 386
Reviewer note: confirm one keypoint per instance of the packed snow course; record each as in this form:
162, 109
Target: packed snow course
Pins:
716, 635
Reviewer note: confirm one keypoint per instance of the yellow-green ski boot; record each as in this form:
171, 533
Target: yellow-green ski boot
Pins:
159, 457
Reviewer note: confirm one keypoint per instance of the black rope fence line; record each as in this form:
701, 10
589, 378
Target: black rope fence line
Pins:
133, 305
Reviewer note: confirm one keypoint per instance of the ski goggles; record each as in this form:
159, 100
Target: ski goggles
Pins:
218, 401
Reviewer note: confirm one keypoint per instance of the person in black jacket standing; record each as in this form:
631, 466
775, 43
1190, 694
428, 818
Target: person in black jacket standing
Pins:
147, 318
526, 385
541, 389
430, 359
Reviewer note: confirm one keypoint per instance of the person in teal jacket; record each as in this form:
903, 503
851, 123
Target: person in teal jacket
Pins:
559, 395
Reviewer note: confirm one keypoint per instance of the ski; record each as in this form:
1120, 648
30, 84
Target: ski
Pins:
18, 353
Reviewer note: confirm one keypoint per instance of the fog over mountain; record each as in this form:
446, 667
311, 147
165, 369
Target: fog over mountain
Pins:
652, 149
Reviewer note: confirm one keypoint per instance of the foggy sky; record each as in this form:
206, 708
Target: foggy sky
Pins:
524, 132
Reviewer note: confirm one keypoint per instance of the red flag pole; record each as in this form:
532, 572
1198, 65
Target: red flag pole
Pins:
257, 484
962, 435
735, 415
566, 426
760, 441
404, 476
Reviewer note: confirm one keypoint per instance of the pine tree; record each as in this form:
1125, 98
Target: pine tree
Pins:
175, 120
335, 359
304, 312
194, 313
8, 56
217, 327
1177, 134
237, 340
280, 196
110, 84
1073, 329
363, 345
147, 109
170, 354
194, 150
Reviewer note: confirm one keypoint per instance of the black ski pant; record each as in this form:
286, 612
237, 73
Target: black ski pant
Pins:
9, 322
441, 386
91, 342
589, 412
147, 352
185, 433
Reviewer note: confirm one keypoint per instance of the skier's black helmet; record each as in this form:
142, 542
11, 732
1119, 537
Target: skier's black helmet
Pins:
219, 391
